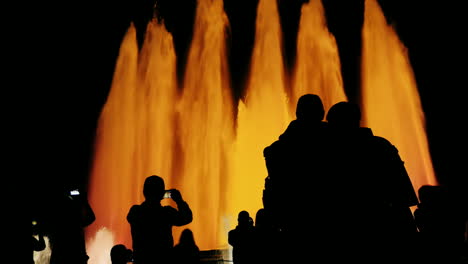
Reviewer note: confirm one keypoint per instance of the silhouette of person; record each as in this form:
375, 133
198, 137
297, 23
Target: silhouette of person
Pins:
67, 240
266, 238
38, 244
120, 254
296, 166
186, 251
379, 194
441, 225
295, 154
242, 239
151, 223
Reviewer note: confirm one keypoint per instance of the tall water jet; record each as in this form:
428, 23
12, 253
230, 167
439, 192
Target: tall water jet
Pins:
135, 133
110, 180
318, 67
262, 114
205, 118
390, 99
156, 99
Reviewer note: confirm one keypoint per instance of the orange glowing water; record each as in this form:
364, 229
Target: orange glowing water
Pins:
263, 114
111, 178
206, 126
318, 67
187, 134
390, 98
138, 114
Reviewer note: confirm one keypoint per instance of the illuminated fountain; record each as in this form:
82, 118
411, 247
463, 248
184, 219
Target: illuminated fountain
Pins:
188, 135
390, 98
205, 127
318, 67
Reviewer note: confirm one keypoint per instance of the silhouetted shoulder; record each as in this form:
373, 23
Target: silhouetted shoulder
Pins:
366, 131
292, 129
298, 130
384, 144
38, 244
382, 140
269, 150
169, 209
133, 212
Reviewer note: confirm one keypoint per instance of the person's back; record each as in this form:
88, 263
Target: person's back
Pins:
67, 238
373, 185
267, 239
375, 158
242, 239
441, 224
350, 194
151, 223
396, 196
186, 251
294, 162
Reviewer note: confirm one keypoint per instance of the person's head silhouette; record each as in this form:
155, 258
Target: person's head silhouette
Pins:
310, 108
344, 115
243, 218
120, 254
154, 188
261, 218
430, 194
186, 237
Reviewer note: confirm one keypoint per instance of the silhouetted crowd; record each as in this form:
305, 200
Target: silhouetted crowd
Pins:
335, 193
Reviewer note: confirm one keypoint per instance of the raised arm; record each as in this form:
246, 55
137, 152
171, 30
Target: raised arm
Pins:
183, 216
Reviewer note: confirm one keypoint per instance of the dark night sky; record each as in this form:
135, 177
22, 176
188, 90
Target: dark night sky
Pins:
80, 42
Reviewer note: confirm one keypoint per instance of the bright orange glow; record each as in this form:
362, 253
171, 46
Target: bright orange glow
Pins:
390, 98
188, 135
137, 116
206, 125
318, 67
262, 115
147, 128
112, 170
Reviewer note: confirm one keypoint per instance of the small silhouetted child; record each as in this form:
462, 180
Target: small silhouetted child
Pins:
120, 254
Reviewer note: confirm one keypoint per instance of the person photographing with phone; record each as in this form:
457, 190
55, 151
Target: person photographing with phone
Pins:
151, 223
72, 215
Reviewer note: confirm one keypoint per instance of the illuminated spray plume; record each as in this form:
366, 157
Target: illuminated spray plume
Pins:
263, 114
390, 98
318, 68
188, 136
112, 176
147, 127
206, 126
138, 114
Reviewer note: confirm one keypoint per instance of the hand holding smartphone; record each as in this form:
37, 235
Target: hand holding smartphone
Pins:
167, 194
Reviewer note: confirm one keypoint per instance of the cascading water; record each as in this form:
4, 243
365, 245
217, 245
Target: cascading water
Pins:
318, 68
263, 114
205, 122
390, 98
139, 114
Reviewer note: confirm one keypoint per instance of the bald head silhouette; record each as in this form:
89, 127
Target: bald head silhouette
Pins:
154, 188
310, 108
344, 114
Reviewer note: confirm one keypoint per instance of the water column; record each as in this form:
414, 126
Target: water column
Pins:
390, 99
